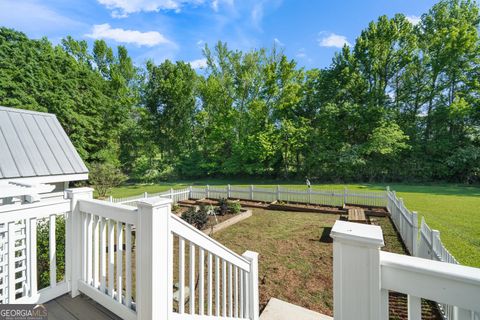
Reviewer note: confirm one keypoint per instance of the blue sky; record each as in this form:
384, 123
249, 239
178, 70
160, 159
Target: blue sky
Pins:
309, 31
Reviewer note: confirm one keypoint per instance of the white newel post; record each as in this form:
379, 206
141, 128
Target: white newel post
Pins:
415, 233
73, 242
357, 294
253, 284
154, 259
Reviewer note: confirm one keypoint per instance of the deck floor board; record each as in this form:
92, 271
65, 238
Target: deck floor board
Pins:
78, 308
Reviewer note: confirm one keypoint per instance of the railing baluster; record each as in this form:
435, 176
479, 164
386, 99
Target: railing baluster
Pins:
33, 257
111, 258
217, 286
414, 308
247, 295
103, 254
201, 271
236, 292
11, 262
224, 288
52, 251
242, 297
119, 261
89, 249
181, 275
83, 217
230, 291
96, 251
209, 285
192, 278
128, 265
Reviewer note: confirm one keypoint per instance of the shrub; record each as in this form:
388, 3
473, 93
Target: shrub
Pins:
234, 207
175, 207
43, 259
104, 177
196, 218
222, 206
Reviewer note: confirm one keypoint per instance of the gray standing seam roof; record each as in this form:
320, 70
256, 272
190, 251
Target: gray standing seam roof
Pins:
34, 144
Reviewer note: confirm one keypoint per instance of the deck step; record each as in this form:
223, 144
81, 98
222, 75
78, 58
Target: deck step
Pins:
280, 310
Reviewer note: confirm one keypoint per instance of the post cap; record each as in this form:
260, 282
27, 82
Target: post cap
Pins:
154, 202
72, 191
357, 233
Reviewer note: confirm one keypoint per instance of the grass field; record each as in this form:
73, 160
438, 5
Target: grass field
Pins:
452, 209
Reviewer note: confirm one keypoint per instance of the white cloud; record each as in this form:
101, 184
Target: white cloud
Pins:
278, 42
122, 8
257, 14
301, 53
330, 39
215, 4
149, 38
36, 19
414, 19
199, 63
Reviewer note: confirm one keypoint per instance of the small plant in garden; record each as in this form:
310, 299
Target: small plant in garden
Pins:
234, 207
175, 207
222, 206
197, 218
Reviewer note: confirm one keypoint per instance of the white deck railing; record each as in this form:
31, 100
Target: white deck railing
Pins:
127, 259
364, 275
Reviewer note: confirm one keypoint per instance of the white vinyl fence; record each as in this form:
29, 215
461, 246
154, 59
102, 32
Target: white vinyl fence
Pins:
337, 198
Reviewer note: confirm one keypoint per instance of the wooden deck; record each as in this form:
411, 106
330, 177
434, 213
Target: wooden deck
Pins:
78, 308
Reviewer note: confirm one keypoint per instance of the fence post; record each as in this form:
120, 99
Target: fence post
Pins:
171, 193
229, 191
278, 192
73, 241
207, 191
434, 240
253, 284
190, 192
344, 196
110, 199
251, 192
415, 234
309, 195
145, 195
356, 272
154, 259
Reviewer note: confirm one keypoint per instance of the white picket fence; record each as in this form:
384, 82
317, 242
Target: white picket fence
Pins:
337, 198
174, 194
175, 264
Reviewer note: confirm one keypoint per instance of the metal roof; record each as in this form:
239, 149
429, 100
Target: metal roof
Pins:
34, 144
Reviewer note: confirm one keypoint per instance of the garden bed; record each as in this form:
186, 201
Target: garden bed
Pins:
300, 207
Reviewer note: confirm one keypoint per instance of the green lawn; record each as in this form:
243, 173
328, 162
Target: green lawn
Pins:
452, 209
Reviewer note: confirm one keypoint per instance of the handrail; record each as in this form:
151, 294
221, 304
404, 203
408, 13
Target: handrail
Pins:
34, 210
438, 281
115, 211
188, 232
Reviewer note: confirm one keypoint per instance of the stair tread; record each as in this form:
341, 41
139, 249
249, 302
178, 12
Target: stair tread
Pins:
280, 310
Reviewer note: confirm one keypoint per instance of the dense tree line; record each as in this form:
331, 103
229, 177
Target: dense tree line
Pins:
402, 103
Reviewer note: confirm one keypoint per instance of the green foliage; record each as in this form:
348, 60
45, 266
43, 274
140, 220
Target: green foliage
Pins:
43, 245
105, 176
222, 206
234, 207
197, 218
400, 103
